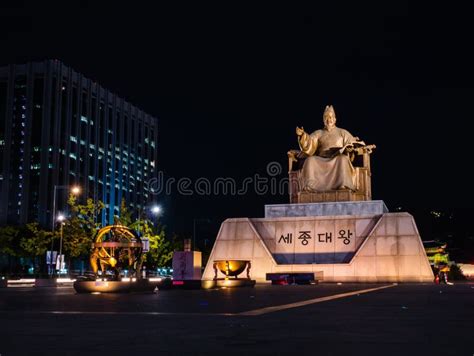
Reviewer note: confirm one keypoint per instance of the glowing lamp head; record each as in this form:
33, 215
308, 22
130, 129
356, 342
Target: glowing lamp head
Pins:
76, 190
156, 209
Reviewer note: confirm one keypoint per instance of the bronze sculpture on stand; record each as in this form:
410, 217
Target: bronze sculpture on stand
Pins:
115, 248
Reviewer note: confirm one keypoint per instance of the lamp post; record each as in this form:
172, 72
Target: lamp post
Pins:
76, 190
139, 220
194, 229
155, 210
61, 219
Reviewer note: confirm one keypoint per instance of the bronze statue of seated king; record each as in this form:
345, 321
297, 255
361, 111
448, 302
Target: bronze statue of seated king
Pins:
331, 165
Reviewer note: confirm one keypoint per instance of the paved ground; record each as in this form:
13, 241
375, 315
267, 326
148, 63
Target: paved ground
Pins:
408, 319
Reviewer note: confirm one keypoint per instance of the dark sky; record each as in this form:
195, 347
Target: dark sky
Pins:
229, 85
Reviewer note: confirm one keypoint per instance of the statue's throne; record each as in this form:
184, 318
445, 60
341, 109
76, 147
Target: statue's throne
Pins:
360, 158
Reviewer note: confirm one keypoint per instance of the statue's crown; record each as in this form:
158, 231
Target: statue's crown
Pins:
329, 109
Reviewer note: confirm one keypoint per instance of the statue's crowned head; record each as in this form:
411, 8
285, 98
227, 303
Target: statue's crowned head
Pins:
329, 117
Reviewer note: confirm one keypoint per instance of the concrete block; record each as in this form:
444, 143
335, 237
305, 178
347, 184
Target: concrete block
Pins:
242, 249
343, 270
304, 241
406, 225
258, 249
228, 230
285, 242
364, 226
187, 265
222, 249
380, 229
386, 246
409, 246
409, 266
364, 266
390, 225
386, 268
243, 231
368, 247
266, 229
325, 239
359, 208
345, 236
392, 251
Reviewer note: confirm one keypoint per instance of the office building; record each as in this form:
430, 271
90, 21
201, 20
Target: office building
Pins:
60, 129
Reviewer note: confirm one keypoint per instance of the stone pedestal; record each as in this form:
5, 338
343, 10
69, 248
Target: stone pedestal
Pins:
359, 208
187, 265
350, 245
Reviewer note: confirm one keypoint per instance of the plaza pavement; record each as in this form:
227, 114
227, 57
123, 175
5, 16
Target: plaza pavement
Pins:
324, 319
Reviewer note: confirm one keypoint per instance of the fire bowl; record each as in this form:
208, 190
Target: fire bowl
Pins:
231, 268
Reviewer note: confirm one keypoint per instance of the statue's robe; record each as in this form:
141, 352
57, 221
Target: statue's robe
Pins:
327, 167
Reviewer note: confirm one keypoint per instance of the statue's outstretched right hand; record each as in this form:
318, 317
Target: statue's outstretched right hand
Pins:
299, 131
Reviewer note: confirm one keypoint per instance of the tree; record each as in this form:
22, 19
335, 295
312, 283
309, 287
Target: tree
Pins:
79, 230
34, 243
9, 240
9, 243
161, 251
125, 215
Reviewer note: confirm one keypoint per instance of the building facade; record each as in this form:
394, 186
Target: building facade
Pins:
59, 129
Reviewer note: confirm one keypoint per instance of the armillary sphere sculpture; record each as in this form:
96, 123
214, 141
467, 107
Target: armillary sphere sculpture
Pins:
116, 247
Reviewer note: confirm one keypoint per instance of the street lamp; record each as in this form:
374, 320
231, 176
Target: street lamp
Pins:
156, 211
61, 219
76, 190
194, 229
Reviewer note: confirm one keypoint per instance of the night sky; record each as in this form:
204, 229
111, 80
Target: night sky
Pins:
230, 84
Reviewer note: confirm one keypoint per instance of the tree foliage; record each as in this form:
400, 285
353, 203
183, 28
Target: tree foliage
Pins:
78, 232
34, 240
9, 240
80, 228
160, 249
125, 215
160, 252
